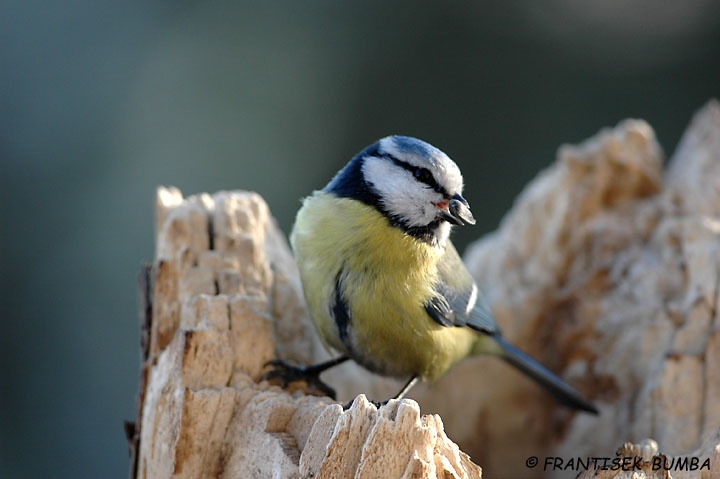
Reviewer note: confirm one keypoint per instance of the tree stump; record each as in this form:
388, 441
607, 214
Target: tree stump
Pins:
606, 270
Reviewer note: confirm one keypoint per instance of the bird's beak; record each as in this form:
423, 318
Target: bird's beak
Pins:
458, 212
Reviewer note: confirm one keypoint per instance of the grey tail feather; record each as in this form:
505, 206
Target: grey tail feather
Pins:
561, 391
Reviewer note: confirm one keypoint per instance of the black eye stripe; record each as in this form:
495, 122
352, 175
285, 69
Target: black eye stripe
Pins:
423, 175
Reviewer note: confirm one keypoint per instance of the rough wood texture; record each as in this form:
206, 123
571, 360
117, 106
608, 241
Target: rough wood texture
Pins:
225, 298
609, 275
606, 269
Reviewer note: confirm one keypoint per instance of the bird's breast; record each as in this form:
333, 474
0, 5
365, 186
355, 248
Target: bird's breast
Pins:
384, 277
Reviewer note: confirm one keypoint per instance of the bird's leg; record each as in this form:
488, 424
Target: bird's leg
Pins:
400, 395
287, 374
406, 389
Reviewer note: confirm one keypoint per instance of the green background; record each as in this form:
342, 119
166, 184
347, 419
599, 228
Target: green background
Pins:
102, 101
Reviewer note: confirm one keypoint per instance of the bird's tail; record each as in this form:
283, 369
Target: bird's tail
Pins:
564, 394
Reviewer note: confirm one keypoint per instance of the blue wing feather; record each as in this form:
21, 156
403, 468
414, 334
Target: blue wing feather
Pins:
458, 301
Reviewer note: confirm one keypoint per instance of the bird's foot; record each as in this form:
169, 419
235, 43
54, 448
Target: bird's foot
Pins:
400, 395
293, 378
377, 404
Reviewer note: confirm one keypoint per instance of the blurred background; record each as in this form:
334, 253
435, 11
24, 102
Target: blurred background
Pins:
102, 101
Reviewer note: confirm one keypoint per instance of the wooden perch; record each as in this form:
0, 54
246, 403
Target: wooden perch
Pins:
606, 270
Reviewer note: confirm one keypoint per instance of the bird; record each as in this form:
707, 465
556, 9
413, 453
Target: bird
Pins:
384, 284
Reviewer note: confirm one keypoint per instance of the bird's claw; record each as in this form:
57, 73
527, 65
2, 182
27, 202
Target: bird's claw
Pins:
293, 377
377, 404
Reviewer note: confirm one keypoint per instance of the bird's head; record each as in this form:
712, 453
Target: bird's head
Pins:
415, 185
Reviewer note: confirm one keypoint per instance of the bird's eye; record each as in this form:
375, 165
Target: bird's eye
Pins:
423, 175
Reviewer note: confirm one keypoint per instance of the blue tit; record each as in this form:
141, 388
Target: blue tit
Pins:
383, 282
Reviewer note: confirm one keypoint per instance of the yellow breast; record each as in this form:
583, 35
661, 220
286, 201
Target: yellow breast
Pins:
387, 277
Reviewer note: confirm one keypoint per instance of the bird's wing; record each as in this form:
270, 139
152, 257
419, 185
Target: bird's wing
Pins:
458, 302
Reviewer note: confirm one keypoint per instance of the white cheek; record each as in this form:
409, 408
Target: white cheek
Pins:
400, 193
383, 175
415, 211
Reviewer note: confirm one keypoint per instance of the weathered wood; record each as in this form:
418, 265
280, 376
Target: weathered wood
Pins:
226, 298
606, 269
609, 275
132, 428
